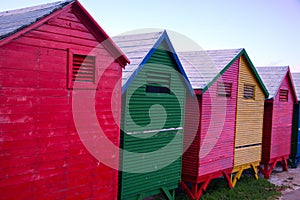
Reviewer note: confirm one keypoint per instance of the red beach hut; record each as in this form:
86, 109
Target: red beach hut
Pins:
49, 53
278, 115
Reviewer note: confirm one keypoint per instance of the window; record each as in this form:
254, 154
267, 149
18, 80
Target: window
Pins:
224, 89
158, 82
283, 95
82, 70
249, 91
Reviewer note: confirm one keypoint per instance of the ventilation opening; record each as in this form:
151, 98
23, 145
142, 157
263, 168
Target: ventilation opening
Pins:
249, 91
283, 95
224, 89
158, 82
83, 69
157, 89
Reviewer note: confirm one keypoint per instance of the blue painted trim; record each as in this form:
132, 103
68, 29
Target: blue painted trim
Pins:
141, 65
163, 37
187, 82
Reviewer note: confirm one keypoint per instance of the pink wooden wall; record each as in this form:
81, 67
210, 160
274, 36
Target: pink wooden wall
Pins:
282, 123
217, 127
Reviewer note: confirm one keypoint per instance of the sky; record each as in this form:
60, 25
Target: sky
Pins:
269, 30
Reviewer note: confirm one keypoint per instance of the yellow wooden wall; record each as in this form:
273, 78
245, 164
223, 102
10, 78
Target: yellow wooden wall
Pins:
249, 122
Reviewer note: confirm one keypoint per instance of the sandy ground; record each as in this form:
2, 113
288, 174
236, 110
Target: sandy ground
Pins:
290, 179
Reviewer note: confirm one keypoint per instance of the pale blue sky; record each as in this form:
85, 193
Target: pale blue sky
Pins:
269, 30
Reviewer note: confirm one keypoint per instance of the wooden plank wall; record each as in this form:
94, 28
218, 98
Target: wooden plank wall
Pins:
218, 125
191, 142
249, 122
282, 122
138, 115
41, 154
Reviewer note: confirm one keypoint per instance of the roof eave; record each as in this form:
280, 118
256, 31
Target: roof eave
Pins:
177, 60
34, 25
101, 35
293, 85
86, 18
222, 72
265, 91
163, 36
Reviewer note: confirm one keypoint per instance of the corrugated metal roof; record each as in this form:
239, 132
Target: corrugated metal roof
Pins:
15, 20
202, 67
139, 48
272, 77
296, 79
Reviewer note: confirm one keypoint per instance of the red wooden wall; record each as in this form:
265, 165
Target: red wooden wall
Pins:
41, 154
278, 125
215, 136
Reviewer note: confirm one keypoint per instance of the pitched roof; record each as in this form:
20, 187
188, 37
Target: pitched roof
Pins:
272, 78
203, 68
296, 79
139, 48
15, 20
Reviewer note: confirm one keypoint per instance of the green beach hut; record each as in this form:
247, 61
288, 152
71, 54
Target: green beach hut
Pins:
154, 88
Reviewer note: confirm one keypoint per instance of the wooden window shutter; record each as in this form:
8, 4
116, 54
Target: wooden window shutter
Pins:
283, 95
224, 89
249, 91
81, 69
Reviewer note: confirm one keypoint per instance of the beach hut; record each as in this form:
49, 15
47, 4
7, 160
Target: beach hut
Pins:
154, 90
48, 54
249, 119
217, 76
278, 116
295, 146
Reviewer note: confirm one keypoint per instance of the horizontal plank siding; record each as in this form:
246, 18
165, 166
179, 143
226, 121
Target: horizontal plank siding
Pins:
249, 122
158, 152
282, 122
212, 149
218, 116
41, 153
191, 143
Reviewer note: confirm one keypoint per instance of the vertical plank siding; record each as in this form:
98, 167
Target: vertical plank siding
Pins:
136, 119
42, 156
249, 122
